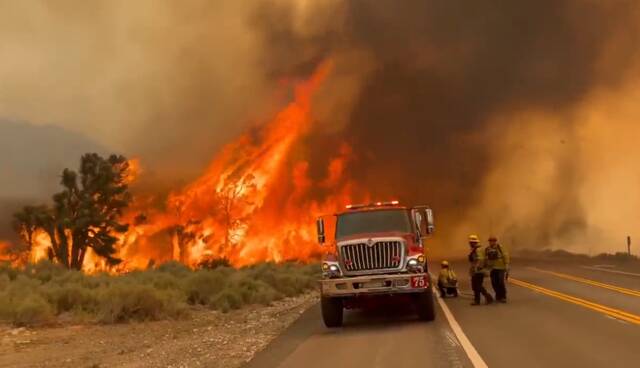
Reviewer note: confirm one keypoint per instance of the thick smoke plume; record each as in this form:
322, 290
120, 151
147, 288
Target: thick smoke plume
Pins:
486, 111
167, 81
512, 118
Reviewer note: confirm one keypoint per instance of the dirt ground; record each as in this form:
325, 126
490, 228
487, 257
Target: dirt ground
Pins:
206, 339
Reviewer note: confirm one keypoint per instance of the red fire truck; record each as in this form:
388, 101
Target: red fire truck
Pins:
375, 251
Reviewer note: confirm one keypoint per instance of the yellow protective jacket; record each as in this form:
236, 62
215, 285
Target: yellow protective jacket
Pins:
447, 277
496, 258
477, 261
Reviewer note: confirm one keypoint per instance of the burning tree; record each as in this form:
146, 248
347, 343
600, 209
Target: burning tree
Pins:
85, 214
184, 235
232, 201
217, 225
27, 223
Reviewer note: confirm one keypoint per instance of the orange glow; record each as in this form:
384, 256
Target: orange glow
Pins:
133, 171
41, 243
4, 247
255, 202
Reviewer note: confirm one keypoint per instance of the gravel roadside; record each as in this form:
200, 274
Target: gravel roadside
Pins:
206, 339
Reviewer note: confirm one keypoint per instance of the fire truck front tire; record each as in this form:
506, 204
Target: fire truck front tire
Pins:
332, 311
425, 306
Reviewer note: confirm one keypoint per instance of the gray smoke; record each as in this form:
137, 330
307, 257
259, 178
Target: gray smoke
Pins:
437, 98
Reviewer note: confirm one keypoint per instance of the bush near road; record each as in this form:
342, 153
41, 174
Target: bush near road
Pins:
45, 293
559, 254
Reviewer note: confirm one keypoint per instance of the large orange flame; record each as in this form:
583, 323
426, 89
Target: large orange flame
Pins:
255, 202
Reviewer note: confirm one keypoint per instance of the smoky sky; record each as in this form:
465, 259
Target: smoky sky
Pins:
443, 70
416, 85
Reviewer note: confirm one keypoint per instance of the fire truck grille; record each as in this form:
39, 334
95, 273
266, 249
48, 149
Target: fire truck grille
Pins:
380, 255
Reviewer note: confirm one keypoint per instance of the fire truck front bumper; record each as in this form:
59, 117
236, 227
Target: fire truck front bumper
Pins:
375, 284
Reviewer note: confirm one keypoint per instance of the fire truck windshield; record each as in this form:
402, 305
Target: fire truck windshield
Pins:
373, 222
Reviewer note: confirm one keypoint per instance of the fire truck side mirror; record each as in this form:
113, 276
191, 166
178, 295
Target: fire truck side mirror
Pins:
419, 221
430, 223
320, 229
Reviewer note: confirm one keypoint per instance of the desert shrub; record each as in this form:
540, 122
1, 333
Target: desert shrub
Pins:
100, 280
45, 270
288, 279
201, 286
6, 269
617, 257
174, 268
73, 277
22, 286
26, 310
4, 281
563, 255
255, 291
127, 301
213, 263
32, 310
41, 292
5, 307
72, 297
159, 280
226, 300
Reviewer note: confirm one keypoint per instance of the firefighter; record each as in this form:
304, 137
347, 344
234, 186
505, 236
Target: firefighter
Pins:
447, 281
477, 271
498, 262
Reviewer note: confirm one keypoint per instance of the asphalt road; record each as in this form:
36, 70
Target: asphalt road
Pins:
558, 314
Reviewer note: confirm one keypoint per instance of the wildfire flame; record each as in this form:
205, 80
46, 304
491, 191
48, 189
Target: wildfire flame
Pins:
134, 170
255, 202
4, 247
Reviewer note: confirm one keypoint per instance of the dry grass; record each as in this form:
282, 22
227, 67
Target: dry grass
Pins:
46, 293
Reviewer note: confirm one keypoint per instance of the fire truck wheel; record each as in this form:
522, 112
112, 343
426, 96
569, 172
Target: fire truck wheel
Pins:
425, 306
332, 311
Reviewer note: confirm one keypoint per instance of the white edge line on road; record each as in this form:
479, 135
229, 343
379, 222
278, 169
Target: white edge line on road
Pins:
472, 353
612, 271
616, 319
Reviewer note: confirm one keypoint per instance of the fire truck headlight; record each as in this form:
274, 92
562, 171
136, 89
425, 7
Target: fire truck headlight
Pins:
331, 270
415, 265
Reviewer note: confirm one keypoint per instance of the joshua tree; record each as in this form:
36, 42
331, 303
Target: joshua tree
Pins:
26, 223
85, 214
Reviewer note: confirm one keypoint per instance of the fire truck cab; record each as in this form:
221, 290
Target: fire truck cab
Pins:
375, 251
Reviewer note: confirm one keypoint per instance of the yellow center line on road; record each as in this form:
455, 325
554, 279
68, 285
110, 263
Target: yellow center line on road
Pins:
589, 282
612, 312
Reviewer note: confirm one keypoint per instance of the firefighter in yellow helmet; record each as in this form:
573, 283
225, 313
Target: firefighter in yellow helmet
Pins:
477, 271
497, 260
447, 280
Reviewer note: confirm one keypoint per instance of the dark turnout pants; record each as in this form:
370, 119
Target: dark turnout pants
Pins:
447, 289
476, 285
498, 283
